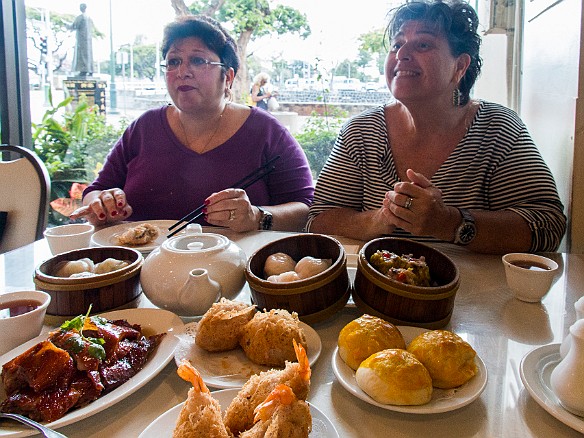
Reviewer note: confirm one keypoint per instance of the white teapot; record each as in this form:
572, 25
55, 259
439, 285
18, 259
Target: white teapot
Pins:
191, 271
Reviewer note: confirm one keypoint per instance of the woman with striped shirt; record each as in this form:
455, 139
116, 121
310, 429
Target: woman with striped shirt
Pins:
433, 163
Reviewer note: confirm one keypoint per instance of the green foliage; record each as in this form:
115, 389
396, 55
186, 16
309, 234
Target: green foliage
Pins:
73, 144
318, 137
373, 46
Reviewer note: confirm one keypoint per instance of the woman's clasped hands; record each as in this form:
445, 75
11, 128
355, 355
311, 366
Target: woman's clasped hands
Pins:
416, 206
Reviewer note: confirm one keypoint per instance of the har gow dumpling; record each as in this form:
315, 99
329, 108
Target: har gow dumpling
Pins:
284, 277
109, 265
311, 266
68, 268
278, 263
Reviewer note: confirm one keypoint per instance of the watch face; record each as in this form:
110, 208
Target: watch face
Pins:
467, 233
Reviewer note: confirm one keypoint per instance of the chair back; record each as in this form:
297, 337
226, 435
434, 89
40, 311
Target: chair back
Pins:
25, 188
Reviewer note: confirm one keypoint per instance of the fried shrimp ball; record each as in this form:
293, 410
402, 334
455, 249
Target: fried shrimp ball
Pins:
200, 416
281, 415
221, 325
366, 335
449, 358
267, 338
239, 415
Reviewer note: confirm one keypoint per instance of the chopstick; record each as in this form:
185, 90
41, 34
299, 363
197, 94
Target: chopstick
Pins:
243, 183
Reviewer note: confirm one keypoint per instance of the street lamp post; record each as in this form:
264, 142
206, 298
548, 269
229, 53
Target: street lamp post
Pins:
113, 93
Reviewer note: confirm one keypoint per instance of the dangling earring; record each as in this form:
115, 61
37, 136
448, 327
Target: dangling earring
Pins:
456, 97
229, 93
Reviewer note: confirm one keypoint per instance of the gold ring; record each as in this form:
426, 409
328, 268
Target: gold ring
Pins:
408, 203
231, 215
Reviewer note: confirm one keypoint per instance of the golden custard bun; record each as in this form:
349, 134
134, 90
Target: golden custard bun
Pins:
366, 335
450, 360
395, 377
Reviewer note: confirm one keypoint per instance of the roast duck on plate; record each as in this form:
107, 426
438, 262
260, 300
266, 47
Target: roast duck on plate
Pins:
80, 361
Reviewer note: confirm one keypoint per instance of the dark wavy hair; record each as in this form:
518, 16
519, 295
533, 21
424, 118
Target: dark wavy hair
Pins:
457, 20
213, 35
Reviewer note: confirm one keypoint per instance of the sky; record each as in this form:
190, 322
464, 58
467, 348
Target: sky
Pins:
335, 26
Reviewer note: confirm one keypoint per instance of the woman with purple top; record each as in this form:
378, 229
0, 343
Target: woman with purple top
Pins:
175, 158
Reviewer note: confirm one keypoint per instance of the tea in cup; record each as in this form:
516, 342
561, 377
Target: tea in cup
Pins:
529, 276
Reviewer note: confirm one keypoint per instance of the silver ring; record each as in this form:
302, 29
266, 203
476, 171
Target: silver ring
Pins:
231, 215
408, 203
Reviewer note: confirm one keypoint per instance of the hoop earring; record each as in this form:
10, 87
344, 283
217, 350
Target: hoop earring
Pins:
456, 97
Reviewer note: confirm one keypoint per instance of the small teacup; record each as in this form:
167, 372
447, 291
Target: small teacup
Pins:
22, 315
529, 276
69, 237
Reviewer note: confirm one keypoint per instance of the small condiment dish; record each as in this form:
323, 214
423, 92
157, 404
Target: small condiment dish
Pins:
69, 237
529, 276
22, 315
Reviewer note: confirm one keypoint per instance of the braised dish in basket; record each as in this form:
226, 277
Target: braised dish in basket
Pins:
82, 360
405, 268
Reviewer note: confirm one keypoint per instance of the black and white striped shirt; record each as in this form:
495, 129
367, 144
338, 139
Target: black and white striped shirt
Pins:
495, 166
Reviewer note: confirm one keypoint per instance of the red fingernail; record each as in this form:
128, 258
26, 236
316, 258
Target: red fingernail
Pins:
114, 213
206, 202
120, 204
124, 213
101, 216
204, 210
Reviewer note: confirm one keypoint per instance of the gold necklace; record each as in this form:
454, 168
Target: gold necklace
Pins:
210, 138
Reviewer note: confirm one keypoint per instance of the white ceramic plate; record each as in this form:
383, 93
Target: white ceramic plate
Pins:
535, 369
164, 425
152, 321
443, 400
231, 369
109, 236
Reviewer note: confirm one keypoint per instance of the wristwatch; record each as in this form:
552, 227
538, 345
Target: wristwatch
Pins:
467, 229
266, 220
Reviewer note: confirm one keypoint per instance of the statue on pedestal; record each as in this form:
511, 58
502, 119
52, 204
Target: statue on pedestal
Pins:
83, 59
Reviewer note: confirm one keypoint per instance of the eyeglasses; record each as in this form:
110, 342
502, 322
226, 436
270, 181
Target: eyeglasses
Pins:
195, 64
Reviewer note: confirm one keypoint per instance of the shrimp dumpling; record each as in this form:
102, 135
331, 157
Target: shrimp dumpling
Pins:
68, 268
110, 265
278, 263
284, 277
311, 266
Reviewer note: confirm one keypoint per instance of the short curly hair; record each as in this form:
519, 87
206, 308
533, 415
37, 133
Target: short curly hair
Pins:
213, 35
459, 23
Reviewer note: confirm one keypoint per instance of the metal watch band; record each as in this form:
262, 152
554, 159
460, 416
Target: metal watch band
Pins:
266, 219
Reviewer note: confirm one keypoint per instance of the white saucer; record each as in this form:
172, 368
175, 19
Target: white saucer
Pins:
535, 369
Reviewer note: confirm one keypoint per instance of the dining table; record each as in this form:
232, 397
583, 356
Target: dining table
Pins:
502, 330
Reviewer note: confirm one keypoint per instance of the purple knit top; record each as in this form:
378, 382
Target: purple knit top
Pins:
163, 179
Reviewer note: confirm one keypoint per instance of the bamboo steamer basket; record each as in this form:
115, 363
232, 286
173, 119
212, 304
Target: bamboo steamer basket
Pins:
104, 292
403, 304
314, 299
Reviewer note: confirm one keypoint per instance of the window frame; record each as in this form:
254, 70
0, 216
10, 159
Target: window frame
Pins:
15, 119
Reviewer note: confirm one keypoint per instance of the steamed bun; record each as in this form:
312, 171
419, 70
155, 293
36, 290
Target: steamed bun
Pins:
395, 377
449, 359
366, 335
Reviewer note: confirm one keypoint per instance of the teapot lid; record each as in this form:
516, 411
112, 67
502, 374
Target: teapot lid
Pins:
196, 242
